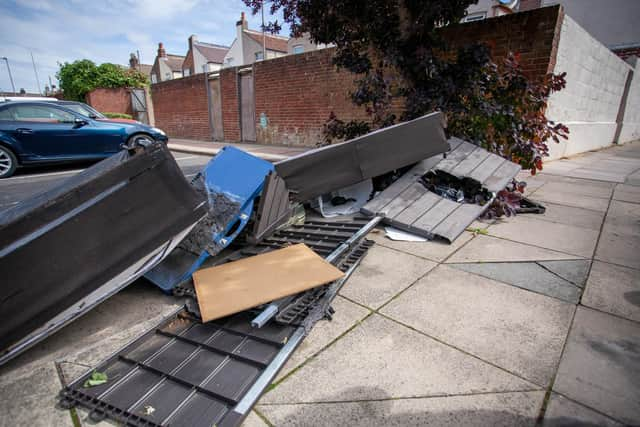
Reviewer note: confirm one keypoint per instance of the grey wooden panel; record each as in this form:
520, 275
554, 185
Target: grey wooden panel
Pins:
216, 110
472, 161
455, 223
486, 168
454, 142
435, 215
404, 199
273, 209
455, 157
501, 177
247, 107
418, 208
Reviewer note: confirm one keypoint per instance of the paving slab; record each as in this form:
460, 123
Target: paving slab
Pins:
562, 412
553, 193
578, 187
522, 332
382, 274
503, 409
253, 420
382, 359
526, 275
623, 218
432, 250
577, 217
627, 193
575, 271
492, 249
617, 248
31, 399
633, 179
550, 235
614, 289
600, 367
346, 315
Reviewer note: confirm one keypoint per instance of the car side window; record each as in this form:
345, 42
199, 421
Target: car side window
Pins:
5, 114
38, 113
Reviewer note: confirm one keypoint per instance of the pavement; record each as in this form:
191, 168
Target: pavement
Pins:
534, 320
272, 153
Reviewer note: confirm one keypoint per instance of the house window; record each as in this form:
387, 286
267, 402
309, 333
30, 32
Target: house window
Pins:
167, 76
474, 17
186, 72
177, 74
259, 56
154, 78
212, 66
298, 48
229, 60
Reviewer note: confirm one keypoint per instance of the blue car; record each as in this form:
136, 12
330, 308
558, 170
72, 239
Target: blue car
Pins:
38, 133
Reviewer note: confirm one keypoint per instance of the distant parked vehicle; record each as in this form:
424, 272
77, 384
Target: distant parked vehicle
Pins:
92, 113
38, 133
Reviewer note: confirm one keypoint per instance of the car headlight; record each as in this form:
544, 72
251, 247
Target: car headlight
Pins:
160, 131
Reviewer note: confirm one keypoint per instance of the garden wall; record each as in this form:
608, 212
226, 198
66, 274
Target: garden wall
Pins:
591, 102
110, 100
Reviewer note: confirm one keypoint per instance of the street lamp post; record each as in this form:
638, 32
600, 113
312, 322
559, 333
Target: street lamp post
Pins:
10, 77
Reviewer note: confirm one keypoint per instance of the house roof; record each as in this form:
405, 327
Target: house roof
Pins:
277, 43
174, 62
144, 68
213, 52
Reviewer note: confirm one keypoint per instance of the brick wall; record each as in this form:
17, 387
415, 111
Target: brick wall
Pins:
181, 107
628, 52
296, 93
230, 104
532, 34
110, 100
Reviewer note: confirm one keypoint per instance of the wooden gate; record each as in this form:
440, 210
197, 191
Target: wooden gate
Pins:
247, 107
215, 109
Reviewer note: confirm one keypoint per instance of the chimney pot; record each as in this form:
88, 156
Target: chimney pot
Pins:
161, 52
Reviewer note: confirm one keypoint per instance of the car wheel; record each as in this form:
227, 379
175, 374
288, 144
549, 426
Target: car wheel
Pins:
8, 162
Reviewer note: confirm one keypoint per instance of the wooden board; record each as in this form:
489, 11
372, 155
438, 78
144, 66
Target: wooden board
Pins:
239, 285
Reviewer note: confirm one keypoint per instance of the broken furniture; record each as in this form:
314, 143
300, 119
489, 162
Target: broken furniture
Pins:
64, 251
320, 171
231, 182
408, 205
236, 286
186, 373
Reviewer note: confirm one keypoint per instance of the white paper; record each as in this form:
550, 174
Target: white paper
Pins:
360, 192
402, 236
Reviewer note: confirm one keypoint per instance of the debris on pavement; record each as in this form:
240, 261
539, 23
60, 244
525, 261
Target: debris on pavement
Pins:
345, 201
66, 250
402, 236
441, 196
96, 378
246, 283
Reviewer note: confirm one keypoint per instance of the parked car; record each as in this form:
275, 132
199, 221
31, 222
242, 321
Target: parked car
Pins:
92, 113
37, 133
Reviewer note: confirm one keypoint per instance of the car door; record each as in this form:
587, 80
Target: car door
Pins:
50, 132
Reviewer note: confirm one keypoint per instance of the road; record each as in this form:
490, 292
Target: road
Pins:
29, 182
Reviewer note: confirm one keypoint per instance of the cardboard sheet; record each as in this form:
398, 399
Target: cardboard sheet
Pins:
239, 285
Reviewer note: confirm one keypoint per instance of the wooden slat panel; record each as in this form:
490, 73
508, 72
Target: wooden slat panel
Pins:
472, 161
378, 204
418, 208
405, 199
456, 223
486, 168
435, 215
455, 157
501, 177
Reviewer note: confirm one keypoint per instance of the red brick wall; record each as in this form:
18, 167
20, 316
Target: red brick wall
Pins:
181, 108
627, 52
230, 104
297, 93
533, 34
110, 100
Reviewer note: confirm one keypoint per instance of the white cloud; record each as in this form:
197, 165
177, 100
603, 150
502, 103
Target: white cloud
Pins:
106, 31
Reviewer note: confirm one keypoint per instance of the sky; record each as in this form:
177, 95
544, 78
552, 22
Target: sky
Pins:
58, 31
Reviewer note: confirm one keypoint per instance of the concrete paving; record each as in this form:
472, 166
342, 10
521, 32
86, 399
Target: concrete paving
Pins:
479, 332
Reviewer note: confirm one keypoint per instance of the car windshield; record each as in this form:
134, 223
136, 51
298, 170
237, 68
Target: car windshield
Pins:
85, 110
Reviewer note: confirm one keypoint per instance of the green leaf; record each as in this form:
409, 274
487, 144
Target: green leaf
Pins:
96, 378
